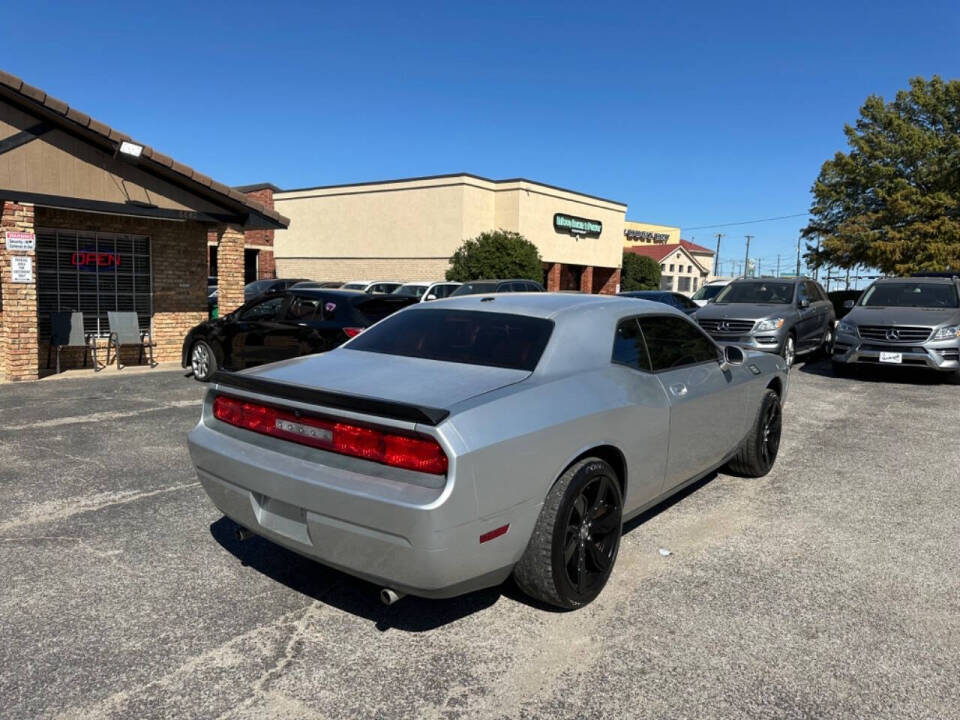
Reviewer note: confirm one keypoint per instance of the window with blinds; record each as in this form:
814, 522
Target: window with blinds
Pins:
93, 273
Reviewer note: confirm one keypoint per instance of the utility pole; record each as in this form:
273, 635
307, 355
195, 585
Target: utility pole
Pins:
816, 269
848, 278
746, 260
798, 256
716, 270
778, 266
758, 268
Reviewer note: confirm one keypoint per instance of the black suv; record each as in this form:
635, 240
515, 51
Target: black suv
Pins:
281, 325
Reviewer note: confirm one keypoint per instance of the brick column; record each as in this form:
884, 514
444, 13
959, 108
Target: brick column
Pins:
586, 279
19, 353
553, 277
229, 269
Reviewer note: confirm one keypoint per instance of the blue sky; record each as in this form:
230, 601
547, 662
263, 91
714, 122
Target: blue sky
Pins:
692, 113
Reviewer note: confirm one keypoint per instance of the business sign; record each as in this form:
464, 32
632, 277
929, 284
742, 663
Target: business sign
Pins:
21, 241
647, 235
91, 260
577, 225
21, 269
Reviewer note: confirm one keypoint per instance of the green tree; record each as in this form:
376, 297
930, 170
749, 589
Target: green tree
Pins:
893, 201
496, 254
639, 273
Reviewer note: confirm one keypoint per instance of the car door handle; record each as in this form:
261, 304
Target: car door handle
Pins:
678, 389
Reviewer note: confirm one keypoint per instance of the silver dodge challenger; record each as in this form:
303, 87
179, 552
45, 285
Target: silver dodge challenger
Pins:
461, 441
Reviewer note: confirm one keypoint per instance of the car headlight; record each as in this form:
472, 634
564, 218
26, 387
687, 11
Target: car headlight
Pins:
769, 324
847, 327
947, 333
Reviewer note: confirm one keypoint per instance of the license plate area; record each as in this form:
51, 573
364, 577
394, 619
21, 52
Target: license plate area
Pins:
281, 517
893, 358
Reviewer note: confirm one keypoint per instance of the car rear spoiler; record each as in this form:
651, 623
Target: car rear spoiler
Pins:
326, 398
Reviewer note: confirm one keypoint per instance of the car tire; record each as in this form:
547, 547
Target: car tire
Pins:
758, 453
826, 344
203, 361
576, 539
789, 351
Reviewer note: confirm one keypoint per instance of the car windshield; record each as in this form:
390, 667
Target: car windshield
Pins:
911, 294
354, 286
461, 336
257, 287
757, 292
708, 292
474, 288
411, 290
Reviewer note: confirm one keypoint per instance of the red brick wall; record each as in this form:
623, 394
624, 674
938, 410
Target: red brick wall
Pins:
606, 280
262, 240
179, 276
18, 301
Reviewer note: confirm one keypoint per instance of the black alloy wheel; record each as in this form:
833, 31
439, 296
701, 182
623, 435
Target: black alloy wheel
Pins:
771, 426
574, 545
591, 535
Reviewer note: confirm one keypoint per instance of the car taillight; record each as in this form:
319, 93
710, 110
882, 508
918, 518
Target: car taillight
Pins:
422, 454
352, 331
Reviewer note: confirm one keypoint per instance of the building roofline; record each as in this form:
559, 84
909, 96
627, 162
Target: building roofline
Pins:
37, 102
445, 176
257, 186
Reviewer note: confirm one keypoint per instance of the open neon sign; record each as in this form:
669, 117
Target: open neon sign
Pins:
90, 260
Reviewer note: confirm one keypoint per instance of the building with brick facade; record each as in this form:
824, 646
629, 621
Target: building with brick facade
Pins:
258, 263
407, 230
93, 221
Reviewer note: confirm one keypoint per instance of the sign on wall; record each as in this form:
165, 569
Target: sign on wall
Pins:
21, 240
647, 235
21, 269
93, 261
577, 225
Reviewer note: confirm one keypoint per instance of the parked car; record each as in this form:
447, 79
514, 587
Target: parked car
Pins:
789, 316
373, 287
903, 321
282, 325
475, 287
456, 443
843, 301
259, 287
425, 291
327, 284
673, 299
709, 291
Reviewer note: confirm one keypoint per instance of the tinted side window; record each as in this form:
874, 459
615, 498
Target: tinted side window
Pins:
301, 309
266, 310
674, 342
628, 346
683, 302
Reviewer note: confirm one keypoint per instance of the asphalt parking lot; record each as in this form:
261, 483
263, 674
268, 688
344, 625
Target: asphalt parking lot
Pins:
830, 588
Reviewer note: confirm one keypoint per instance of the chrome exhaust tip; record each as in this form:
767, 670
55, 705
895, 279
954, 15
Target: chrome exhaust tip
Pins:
388, 596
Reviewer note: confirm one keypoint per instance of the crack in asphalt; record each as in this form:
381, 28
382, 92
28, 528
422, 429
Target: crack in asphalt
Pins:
100, 416
56, 510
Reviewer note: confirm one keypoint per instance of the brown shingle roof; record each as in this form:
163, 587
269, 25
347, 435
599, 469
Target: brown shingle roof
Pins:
67, 116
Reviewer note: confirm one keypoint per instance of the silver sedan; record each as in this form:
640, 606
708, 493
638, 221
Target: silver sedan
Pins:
458, 442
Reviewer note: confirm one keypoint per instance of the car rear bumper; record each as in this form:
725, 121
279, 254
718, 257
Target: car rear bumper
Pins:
417, 540
943, 356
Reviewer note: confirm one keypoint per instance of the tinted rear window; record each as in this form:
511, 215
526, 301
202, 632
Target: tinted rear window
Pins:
460, 336
378, 307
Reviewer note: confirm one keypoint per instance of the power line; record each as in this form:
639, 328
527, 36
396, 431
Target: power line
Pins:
747, 222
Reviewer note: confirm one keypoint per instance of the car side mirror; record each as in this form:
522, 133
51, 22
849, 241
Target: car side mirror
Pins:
431, 296
804, 303
848, 304
731, 356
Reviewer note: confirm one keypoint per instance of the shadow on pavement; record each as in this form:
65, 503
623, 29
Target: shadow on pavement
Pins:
877, 374
361, 598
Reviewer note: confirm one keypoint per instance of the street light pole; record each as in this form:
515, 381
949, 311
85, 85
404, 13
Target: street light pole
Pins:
798, 256
746, 259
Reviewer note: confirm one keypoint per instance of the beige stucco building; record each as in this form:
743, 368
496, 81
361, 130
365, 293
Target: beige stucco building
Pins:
408, 229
